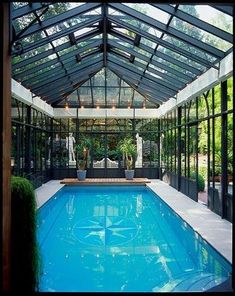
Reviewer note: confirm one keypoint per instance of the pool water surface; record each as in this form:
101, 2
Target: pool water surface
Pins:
121, 239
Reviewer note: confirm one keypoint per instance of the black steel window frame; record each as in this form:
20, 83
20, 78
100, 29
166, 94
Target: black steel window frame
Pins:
168, 125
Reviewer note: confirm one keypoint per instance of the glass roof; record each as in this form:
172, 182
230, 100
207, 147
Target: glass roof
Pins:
118, 54
105, 88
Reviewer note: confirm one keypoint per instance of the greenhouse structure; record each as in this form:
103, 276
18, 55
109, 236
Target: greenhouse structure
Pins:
81, 79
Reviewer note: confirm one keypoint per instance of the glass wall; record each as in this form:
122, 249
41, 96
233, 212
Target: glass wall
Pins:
200, 142
30, 155
44, 148
105, 135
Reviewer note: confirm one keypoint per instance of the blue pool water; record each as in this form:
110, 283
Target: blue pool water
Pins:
120, 238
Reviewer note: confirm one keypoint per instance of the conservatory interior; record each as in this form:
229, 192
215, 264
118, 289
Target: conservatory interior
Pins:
97, 74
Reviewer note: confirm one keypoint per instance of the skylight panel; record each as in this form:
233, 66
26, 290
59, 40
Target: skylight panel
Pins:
210, 15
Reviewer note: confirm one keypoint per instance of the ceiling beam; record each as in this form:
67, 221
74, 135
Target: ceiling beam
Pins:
55, 72
29, 60
105, 35
195, 22
26, 9
60, 95
162, 42
62, 33
64, 59
56, 79
168, 30
80, 76
158, 88
138, 74
55, 20
151, 97
228, 9
186, 77
166, 76
159, 54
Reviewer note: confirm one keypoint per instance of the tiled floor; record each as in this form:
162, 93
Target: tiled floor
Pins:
217, 231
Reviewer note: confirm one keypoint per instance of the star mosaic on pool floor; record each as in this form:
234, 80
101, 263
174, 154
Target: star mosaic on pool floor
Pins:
105, 230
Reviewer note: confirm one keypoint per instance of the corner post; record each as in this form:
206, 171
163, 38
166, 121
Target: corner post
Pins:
5, 146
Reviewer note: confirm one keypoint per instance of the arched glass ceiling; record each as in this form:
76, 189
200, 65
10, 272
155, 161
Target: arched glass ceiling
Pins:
157, 49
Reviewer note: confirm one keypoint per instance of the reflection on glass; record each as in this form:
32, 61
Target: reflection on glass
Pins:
210, 15
189, 48
199, 34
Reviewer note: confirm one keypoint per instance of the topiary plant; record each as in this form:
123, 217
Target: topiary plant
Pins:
24, 250
200, 181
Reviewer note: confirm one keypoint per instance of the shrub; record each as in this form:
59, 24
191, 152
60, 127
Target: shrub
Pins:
200, 181
203, 171
24, 250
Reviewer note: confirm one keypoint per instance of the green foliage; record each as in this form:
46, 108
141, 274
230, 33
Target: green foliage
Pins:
168, 142
25, 263
128, 149
136, 23
188, 29
83, 152
202, 140
98, 153
203, 134
203, 171
220, 21
200, 181
114, 154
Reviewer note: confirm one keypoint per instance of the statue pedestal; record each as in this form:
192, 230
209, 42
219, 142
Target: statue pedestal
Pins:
72, 163
139, 163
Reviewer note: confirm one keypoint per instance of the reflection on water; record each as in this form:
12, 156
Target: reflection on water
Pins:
121, 239
70, 206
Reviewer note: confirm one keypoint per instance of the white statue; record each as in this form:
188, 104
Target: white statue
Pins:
139, 160
69, 145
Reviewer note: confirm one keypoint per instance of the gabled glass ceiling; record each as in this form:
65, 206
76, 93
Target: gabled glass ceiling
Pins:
105, 88
157, 49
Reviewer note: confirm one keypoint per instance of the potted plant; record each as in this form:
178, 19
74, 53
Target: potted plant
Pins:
82, 156
128, 148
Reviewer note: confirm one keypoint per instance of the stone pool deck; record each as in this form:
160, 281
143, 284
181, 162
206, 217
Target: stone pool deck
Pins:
216, 231
46, 191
